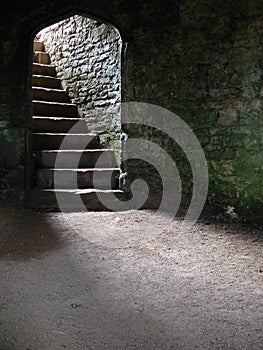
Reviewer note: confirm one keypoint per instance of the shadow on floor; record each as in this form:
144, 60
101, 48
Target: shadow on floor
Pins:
201, 290
26, 234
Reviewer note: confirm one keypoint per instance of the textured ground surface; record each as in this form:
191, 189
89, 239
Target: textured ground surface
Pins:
127, 281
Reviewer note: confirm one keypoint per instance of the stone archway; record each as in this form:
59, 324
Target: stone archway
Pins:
76, 83
16, 73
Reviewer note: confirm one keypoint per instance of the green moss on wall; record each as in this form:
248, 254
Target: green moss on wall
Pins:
206, 66
202, 60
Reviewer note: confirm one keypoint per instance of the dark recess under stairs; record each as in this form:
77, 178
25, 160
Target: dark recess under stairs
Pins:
53, 117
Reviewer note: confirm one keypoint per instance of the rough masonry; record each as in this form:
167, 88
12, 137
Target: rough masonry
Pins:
200, 59
87, 57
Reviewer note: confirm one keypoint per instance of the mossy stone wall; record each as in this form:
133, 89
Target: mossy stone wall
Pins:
204, 63
200, 59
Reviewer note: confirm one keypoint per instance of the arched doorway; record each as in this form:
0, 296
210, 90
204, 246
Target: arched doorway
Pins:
76, 91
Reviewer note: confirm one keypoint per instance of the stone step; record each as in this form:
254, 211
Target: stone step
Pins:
54, 109
49, 141
50, 95
46, 81
41, 57
73, 200
38, 46
62, 125
44, 69
68, 159
78, 178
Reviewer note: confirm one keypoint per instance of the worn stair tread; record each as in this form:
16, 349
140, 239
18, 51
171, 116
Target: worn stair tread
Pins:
50, 103
82, 170
43, 64
38, 46
64, 134
75, 150
74, 178
73, 199
75, 158
78, 191
56, 109
42, 55
48, 89
41, 51
42, 117
58, 119
46, 81
59, 124
44, 69
61, 117
47, 94
44, 76
56, 140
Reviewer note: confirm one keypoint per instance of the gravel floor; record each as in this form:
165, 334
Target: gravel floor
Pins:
128, 280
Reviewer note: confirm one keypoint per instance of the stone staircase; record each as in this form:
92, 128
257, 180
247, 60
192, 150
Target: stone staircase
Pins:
54, 116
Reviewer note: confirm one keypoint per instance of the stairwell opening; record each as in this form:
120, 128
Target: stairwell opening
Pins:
76, 80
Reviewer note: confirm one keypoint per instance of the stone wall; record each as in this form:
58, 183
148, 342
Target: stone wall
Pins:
200, 59
205, 64
86, 54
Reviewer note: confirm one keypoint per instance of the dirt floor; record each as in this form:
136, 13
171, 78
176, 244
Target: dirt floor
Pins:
127, 280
